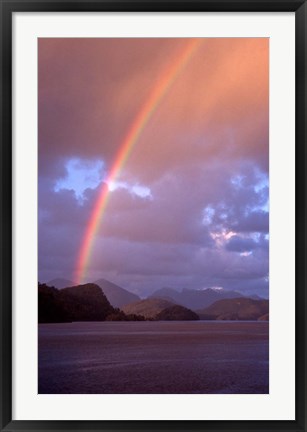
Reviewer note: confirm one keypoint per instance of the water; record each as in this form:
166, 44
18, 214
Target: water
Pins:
154, 357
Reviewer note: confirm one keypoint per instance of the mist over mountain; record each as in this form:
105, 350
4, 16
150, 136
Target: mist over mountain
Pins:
116, 295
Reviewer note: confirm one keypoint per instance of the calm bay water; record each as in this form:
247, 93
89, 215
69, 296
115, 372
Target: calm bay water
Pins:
154, 357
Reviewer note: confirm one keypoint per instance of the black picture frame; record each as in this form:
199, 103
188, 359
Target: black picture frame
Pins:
8, 7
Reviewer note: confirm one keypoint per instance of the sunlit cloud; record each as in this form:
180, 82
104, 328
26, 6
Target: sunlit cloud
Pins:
222, 237
135, 189
246, 253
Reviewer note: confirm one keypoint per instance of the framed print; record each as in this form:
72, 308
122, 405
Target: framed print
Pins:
153, 215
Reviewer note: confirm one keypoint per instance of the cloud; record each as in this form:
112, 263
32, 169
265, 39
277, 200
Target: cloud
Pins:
80, 175
91, 90
239, 244
191, 200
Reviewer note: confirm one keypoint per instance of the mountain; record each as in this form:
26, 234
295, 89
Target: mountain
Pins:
194, 299
85, 303
116, 295
264, 317
60, 283
236, 309
255, 297
78, 303
177, 313
50, 309
148, 308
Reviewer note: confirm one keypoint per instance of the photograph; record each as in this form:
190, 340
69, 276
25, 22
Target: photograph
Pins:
153, 215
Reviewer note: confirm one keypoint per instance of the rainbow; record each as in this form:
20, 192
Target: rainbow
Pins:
145, 113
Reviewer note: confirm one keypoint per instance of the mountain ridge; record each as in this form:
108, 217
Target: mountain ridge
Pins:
148, 308
241, 308
77, 303
116, 295
194, 299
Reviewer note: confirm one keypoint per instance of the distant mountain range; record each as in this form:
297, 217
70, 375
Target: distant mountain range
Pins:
60, 301
236, 309
116, 295
194, 299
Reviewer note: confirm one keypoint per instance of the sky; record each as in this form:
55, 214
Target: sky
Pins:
188, 204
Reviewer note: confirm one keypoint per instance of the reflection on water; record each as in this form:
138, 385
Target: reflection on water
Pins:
154, 357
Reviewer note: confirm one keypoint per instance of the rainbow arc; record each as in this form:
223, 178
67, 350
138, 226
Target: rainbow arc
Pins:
151, 104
